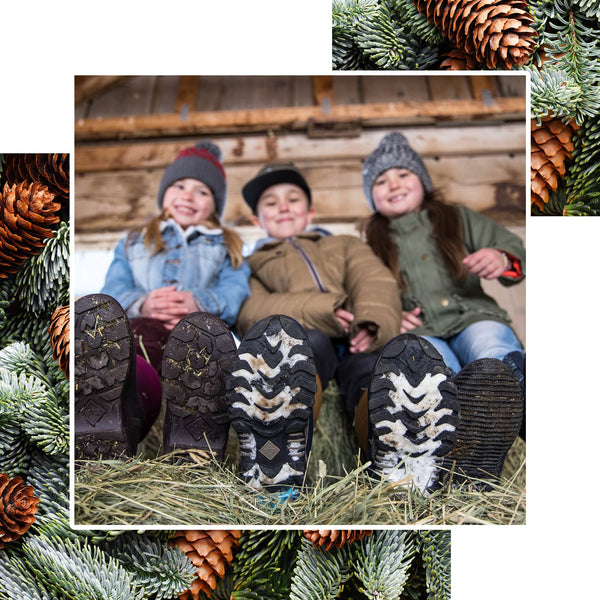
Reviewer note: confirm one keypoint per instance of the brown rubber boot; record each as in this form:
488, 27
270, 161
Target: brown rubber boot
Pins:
108, 413
196, 365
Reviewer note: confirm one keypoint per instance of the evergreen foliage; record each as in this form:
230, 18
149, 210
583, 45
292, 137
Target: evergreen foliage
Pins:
436, 557
320, 574
389, 564
383, 561
370, 34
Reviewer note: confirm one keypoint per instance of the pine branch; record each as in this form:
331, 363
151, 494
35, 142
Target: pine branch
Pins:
382, 34
346, 54
15, 450
157, 570
589, 8
31, 403
43, 281
263, 565
584, 176
389, 44
18, 582
553, 92
78, 571
382, 562
319, 574
436, 556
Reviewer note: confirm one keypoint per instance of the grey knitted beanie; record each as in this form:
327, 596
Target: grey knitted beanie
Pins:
392, 152
202, 162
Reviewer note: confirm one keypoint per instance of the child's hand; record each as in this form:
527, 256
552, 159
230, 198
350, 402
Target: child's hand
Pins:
361, 341
344, 317
168, 305
487, 263
410, 320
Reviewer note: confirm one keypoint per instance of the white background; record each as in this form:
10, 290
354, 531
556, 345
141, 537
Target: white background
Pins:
44, 44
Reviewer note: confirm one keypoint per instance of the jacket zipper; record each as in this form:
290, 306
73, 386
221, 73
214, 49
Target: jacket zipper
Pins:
314, 273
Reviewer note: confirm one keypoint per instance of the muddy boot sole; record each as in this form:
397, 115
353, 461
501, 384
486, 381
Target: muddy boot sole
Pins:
196, 364
271, 395
491, 413
108, 416
413, 412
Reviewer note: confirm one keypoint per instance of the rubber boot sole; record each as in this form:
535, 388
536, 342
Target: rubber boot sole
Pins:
108, 416
413, 412
196, 364
491, 413
271, 394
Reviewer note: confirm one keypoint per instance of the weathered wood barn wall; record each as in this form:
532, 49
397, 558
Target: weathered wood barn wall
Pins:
470, 130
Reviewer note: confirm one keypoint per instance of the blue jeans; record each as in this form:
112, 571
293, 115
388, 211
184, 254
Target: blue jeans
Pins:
484, 339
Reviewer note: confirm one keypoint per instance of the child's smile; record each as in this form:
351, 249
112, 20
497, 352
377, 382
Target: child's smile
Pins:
189, 201
397, 192
283, 210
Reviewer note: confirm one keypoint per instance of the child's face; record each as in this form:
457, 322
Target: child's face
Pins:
397, 192
283, 210
189, 201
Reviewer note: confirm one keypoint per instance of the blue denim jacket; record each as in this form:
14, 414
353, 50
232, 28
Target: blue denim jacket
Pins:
195, 260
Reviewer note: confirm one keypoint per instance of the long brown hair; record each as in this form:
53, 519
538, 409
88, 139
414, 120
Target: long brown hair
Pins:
446, 234
155, 242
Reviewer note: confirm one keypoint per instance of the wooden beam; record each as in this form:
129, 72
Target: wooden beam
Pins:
88, 86
427, 141
291, 117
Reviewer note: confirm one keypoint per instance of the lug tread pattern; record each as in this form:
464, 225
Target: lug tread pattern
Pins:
270, 396
196, 364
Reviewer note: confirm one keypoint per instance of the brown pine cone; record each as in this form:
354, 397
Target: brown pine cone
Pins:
18, 506
458, 60
494, 32
26, 213
551, 148
211, 551
51, 170
59, 338
328, 538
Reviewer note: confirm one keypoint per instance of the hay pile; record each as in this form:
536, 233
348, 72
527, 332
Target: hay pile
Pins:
151, 489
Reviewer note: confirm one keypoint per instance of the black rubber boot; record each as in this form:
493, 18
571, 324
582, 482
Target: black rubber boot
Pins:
271, 394
108, 413
491, 413
516, 361
195, 367
413, 412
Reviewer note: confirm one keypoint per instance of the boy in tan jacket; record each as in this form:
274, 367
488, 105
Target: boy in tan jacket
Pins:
321, 307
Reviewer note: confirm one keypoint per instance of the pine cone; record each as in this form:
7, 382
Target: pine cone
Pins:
494, 32
211, 551
328, 538
26, 212
458, 60
59, 338
18, 506
551, 148
51, 170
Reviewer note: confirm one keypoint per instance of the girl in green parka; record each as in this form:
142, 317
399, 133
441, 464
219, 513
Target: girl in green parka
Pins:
439, 253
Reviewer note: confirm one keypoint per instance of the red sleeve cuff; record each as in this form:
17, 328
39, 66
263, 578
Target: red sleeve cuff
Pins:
514, 270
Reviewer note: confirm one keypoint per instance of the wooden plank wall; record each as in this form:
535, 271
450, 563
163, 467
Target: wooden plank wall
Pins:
475, 157
482, 166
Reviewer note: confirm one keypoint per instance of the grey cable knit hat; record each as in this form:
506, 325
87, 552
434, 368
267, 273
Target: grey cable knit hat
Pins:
392, 151
202, 162
272, 174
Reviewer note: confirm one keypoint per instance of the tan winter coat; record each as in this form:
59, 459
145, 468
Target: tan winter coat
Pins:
344, 266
